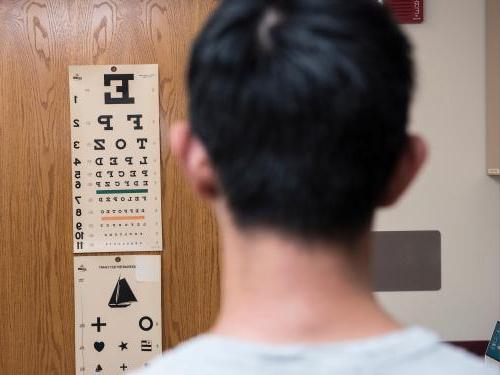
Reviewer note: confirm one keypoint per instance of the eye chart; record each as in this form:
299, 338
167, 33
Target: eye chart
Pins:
117, 312
115, 158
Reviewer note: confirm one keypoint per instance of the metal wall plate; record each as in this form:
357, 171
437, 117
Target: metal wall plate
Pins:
406, 261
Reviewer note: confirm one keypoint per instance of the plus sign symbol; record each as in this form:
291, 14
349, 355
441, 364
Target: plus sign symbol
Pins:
123, 367
98, 324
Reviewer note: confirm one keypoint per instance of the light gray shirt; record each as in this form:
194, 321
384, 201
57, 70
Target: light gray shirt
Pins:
413, 351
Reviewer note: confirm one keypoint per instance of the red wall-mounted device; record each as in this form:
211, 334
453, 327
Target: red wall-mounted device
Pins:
407, 11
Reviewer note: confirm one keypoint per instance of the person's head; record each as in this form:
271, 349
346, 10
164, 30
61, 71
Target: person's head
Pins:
298, 115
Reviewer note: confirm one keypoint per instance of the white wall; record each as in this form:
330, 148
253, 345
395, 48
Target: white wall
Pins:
453, 194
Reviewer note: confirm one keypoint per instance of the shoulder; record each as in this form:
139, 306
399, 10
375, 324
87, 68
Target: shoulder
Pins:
444, 359
413, 352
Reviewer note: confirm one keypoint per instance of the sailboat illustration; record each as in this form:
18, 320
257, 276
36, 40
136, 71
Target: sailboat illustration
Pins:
122, 295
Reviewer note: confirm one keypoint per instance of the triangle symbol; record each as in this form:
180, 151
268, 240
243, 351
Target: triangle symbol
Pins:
98, 368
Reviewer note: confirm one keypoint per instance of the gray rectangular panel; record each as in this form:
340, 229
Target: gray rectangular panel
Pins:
406, 261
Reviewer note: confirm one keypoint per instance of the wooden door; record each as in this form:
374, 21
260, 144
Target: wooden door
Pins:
38, 40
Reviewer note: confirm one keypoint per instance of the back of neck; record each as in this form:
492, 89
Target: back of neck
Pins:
279, 289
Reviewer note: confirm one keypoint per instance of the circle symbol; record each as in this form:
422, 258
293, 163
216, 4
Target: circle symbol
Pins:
146, 323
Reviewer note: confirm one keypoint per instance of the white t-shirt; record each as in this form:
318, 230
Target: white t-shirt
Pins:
413, 351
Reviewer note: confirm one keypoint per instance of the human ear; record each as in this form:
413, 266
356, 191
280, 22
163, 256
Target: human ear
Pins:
407, 168
194, 160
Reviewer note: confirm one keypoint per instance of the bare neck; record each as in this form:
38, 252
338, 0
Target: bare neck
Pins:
276, 289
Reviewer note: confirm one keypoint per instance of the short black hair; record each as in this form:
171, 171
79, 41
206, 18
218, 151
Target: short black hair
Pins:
302, 106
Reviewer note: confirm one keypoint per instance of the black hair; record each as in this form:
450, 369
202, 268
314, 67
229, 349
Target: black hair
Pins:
302, 106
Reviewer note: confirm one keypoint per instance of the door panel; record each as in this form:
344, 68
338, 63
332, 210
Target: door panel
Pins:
38, 40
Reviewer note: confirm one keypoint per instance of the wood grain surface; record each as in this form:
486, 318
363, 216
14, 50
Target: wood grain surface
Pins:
38, 40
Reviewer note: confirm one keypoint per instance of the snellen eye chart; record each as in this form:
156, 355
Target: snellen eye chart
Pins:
115, 158
117, 312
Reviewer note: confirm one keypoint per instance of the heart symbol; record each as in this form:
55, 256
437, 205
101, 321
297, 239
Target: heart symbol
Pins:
99, 346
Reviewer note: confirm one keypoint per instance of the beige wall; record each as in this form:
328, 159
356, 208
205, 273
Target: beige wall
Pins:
453, 194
